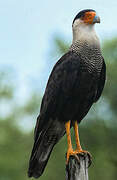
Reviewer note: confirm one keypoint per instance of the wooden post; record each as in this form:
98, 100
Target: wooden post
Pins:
77, 168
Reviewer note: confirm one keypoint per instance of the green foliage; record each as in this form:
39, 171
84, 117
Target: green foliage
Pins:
6, 89
98, 133
110, 54
15, 144
61, 45
14, 151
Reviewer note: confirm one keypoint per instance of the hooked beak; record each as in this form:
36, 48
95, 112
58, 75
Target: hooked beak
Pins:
96, 19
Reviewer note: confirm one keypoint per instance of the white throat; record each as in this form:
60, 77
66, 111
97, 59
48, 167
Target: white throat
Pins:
84, 32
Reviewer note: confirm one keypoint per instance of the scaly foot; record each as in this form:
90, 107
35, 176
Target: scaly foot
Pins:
70, 152
83, 152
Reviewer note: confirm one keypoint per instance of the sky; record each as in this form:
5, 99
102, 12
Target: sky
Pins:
27, 29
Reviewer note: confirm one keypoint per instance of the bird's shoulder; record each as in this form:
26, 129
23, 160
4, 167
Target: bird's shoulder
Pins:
62, 78
66, 67
69, 61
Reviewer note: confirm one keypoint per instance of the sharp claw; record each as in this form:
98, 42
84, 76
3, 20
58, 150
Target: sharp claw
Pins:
77, 157
85, 152
70, 152
82, 152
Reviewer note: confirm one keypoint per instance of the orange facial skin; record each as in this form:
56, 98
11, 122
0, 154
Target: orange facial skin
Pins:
88, 17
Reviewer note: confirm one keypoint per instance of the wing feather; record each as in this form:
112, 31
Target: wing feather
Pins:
101, 82
59, 86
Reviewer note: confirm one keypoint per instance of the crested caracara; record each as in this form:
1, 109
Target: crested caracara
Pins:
75, 83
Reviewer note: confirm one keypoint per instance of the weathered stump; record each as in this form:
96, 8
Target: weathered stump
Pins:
77, 168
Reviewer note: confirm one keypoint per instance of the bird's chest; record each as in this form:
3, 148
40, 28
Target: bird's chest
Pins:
92, 64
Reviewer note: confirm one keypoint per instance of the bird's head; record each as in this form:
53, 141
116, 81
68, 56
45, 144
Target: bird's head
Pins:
87, 17
83, 23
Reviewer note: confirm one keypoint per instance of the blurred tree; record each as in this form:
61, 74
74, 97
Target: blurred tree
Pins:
110, 54
14, 151
15, 144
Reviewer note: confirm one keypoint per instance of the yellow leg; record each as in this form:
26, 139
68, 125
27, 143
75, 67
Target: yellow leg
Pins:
70, 149
78, 146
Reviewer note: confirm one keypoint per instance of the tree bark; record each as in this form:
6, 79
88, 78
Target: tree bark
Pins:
77, 167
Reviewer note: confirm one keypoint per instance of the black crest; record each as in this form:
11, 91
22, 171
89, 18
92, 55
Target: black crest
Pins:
82, 13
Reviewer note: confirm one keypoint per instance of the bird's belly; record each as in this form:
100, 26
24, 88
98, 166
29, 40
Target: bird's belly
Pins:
78, 104
77, 108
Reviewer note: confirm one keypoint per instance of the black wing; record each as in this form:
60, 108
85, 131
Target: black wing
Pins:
49, 130
61, 81
101, 81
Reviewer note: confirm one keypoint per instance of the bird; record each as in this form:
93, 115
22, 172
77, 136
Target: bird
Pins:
75, 83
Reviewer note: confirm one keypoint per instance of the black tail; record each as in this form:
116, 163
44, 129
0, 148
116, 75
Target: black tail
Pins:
39, 157
43, 146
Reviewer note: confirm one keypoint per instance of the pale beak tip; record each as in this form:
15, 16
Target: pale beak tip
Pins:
96, 19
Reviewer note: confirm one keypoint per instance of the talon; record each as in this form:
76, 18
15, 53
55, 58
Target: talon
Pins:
70, 152
83, 152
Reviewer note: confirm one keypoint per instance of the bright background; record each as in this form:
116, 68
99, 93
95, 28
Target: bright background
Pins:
27, 28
